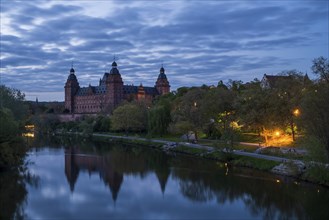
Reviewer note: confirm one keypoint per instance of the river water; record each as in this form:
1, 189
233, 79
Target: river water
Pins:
95, 180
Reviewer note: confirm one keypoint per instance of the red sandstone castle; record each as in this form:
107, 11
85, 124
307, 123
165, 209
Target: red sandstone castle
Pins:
109, 93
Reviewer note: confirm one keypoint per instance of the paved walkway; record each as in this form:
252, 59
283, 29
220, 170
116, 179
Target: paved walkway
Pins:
198, 146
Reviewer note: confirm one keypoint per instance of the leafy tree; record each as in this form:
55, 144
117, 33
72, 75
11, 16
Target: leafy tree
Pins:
221, 85
255, 109
45, 123
217, 106
315, 113
187, 110
102, 124
12, 113
159, 119
129, 117
286, 98
159, 116
11, 130
13, 99
321, 67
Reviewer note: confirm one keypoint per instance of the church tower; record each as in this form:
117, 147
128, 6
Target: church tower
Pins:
71, 88
162, 84
114, 87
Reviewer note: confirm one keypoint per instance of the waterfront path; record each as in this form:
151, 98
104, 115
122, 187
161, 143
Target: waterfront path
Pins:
197, 146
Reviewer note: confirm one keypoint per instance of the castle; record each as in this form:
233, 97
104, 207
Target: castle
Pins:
109, 93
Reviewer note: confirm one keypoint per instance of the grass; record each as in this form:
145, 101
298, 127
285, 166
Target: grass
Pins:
190, 150
256, 163
221, 156
128, 141
243, 161
250, 137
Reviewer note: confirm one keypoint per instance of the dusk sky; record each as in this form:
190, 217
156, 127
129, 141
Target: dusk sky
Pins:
198, 42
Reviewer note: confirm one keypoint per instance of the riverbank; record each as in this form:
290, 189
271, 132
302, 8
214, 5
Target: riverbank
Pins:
300, 170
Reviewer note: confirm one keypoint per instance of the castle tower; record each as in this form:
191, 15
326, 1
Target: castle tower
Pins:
114, 87
162, 84
71, 88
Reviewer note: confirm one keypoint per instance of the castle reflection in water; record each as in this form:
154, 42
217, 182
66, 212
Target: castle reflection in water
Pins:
110, 168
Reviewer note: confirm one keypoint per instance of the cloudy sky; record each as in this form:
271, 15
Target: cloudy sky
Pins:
198, 42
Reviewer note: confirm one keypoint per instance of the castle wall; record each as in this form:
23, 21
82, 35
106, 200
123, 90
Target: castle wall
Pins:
89, 103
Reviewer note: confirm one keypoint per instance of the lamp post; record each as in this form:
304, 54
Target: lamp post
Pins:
295, 113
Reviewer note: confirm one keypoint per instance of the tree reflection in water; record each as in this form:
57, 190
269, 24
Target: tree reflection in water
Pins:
13, 192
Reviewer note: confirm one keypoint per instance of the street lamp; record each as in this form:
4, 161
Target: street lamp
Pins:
295, 113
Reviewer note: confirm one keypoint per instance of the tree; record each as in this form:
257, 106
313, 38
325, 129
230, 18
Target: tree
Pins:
129, 117
315, 113
11, 130
321, 67
286, 97
102, 124
45, 123
12, 113
13, 99
217, 106
159, 119
257, 110
159, 116
187, 110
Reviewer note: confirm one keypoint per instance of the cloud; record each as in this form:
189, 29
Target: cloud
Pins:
194, 39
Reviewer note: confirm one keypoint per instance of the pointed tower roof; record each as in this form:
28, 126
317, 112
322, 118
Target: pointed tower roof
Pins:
162, 74
114, 69
72, 75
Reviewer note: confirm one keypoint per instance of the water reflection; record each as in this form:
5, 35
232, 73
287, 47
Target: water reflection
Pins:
198, 181
113, 165
76, 161
97, 180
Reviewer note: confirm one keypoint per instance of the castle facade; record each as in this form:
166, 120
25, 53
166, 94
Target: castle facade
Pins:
109, 93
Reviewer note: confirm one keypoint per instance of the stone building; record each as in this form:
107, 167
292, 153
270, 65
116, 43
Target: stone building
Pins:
109, 93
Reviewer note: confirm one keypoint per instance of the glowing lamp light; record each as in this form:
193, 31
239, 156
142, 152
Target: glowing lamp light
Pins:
277, 133
278, 181
296, 112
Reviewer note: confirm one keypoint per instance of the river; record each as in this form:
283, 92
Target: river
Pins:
95, 180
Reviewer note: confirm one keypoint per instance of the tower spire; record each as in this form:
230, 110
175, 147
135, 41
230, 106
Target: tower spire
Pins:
72, 71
